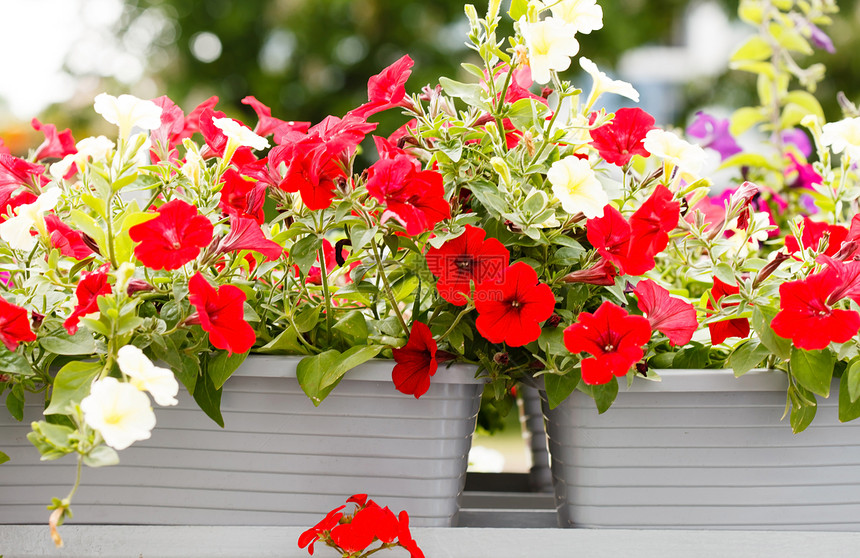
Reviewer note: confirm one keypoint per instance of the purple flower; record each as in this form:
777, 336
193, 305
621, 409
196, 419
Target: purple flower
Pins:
715, 134
799, 139
818, 37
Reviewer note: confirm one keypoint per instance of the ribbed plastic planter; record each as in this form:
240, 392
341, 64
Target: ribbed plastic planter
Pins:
704, 450
279, 461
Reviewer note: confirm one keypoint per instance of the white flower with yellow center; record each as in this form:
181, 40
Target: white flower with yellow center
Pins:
120, 412
604, 84
96, 149
145, 376
575, 185
675, 151
240, 134
193, 167
127, 112
550, 45
16, 230
585, 15
843, 136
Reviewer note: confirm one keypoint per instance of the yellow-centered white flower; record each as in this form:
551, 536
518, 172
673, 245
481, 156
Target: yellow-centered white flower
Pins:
240, 134
675, 151
585, 15
575, 185
145, 376
604, 84
550, 45
127, 112
96, 149
16, 230
193, 167
843, 136
120, 412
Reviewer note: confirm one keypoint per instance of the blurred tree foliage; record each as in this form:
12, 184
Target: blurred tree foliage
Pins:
310, 58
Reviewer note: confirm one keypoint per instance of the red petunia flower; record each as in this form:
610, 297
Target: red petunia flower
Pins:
807, 316
320, 530
172, 239
15, 172
673, 317
511, 311
632, 245
734, 327
56, 145
221, 314
92, 285
619, 140
404, 537
171, 132
601, 273
64, 238
240, 197
416, 362
415, 198
246, 234
464, 259
612, 336
386, 89
14, 325
369, 523
267, 124
813, 232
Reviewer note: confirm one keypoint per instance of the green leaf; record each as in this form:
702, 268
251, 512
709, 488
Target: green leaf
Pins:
287, 342
71, 385
81, 343
802, 412
756, 48
559, 387
101, 456
745, 118
853, 379
807, 102
551, 341
471, 93
52, 440
14, 363
352, 327
208, 397
361, 236
307, 318
748, 160
747, 356
3, 458
813, 369
604, 395
89, 226
304, 252
691, 358
222, 366
518, 9
725, 273
319, 374
848, 409
762, 316
15, 402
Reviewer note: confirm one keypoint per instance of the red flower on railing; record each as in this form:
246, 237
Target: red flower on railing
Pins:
466, 259
220, 313
416, 362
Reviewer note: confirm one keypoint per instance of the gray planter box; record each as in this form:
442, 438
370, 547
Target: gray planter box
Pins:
704, 450
279, 461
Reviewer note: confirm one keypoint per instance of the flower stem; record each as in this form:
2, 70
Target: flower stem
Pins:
388, 292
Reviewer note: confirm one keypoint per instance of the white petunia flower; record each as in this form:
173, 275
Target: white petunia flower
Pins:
127, 112
550, 45
575, 185
145, 376
843, 136
16, 230
240, 134
605, 84
585, 15
95, 149
119, 411
674, 150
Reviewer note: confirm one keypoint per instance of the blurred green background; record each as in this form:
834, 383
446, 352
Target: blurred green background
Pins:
310, 58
